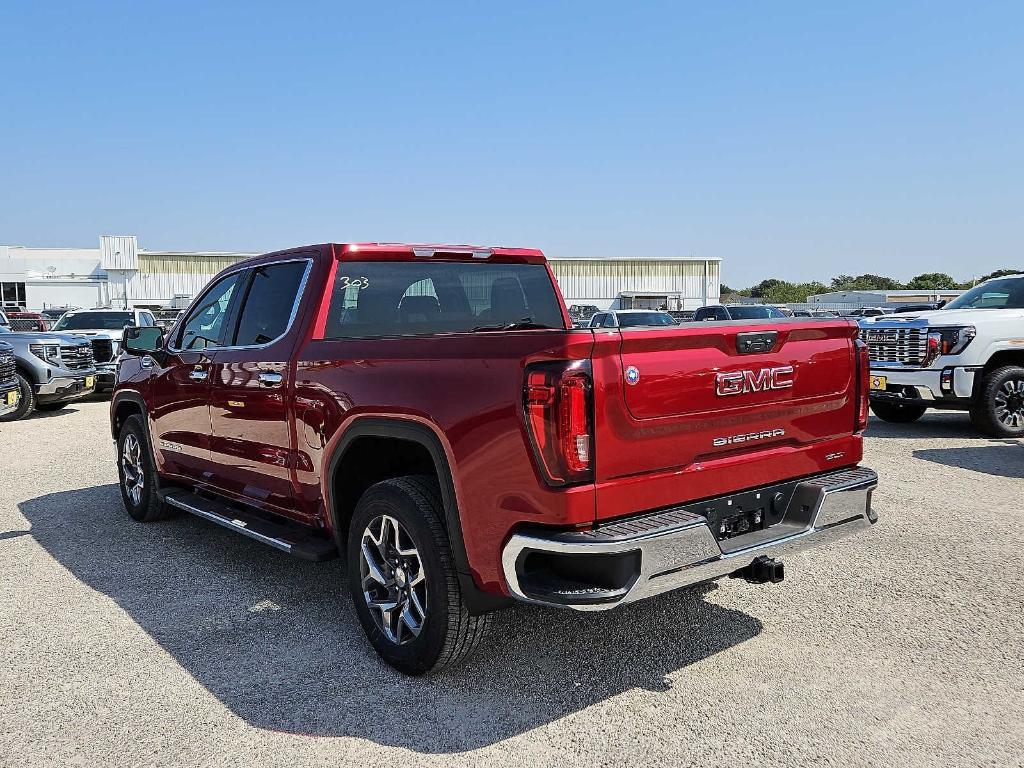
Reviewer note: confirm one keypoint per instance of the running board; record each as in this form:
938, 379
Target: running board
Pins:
294, 539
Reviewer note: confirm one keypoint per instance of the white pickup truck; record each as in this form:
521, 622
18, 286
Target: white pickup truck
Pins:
967, 356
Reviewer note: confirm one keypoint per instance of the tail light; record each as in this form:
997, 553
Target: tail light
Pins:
863, 385
557, 399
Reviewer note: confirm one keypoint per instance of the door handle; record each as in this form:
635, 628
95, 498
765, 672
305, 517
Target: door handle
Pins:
198, 375
270, 379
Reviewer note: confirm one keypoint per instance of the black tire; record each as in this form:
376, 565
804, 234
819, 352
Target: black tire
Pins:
26, 403
897, 414
998, 405
448, 634
50, 406
147, 507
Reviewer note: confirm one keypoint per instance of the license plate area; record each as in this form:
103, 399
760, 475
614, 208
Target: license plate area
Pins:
747, 511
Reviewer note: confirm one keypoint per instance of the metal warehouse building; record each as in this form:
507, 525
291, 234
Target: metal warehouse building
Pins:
119, 273
857, 299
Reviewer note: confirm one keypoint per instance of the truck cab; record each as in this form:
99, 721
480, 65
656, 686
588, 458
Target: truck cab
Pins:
967, 356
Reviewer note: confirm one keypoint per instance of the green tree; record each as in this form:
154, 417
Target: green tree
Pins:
866, 282
791, 293
932, 281
760, 290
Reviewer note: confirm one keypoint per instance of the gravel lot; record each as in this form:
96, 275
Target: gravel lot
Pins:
182, 644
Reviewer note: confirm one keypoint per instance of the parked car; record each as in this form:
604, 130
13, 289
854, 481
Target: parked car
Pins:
52, 370
17, 319
10, 392
966, 356
632, 318
870, 312
737, 312
104, 328
430, 413
904, 308
581, 314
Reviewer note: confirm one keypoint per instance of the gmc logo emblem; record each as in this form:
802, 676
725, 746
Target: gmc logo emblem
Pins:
741, 382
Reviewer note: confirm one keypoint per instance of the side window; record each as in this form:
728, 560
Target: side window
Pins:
609, 320
269, 303
205, 323
722, 314
597, 320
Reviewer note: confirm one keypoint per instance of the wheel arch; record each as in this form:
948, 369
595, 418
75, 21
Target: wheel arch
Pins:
420, 442
124, 404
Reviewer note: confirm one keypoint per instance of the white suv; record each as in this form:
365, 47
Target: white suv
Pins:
104, 328
967, 356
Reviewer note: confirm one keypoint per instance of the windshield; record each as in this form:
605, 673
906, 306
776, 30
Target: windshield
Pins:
106, 321
1007, 293
754, 313
634, 319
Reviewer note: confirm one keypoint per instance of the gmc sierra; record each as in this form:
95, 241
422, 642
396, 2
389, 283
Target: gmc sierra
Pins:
430, 413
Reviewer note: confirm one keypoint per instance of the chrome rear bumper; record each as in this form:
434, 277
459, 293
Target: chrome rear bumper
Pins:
658, 552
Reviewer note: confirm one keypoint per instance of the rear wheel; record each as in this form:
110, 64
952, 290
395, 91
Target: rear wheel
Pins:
403, 580
998, 406
137, 473
897, 414
26, 400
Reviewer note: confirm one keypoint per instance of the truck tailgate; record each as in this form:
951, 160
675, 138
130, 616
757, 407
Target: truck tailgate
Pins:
717, 407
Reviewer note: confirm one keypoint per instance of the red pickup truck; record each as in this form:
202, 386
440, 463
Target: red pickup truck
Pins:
430, 413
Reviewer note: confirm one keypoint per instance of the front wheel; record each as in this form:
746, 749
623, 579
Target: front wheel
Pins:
998, 406
897, 414
403, 580
26, 400
137, 474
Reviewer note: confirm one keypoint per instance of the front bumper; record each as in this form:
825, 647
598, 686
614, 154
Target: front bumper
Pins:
639, 557
106, 375
65, 388
924, 386
10, 396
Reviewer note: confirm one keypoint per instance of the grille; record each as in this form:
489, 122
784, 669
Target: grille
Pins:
905, 346
102, 350
76, 358
6, 367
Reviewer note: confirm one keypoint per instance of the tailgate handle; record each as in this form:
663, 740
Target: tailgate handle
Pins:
753, 342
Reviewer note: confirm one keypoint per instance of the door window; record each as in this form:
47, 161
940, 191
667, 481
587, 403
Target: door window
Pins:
205, 323
269, 303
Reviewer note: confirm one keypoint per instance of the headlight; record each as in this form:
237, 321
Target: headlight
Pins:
49, 353
951, 341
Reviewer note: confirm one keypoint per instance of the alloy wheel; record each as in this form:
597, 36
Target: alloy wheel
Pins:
132, 470
1009, 403
393, 582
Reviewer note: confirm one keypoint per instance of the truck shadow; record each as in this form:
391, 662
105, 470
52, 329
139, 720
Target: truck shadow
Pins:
931, 425
1002, 460
277, 642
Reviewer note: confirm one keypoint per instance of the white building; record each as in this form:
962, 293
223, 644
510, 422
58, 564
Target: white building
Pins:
118, 272
855, 299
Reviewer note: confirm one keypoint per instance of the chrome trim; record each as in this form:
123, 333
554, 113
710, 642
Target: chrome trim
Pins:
231, 524
62, 382
270, 378
291, 318
687, 553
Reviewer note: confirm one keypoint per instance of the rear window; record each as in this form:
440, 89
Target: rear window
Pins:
380, 298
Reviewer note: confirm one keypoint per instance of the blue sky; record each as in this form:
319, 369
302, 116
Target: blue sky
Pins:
795, 140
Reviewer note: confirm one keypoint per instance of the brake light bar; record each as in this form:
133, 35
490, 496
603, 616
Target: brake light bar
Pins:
557, 400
